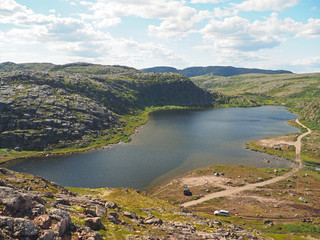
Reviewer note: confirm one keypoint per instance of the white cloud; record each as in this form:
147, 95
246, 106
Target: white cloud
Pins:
177, 19
14, 13
83, 36
178, 26
238, 33
311, 61
54, 39
219, 13
234, 57
310, 29
207, 1
265, 5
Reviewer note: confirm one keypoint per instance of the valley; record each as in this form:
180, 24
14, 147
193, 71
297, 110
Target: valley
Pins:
52, 110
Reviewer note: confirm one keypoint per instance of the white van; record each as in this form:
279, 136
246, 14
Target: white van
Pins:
221, 213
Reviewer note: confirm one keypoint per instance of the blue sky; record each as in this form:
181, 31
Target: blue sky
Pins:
269, 34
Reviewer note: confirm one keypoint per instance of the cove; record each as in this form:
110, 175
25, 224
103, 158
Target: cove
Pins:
171, 143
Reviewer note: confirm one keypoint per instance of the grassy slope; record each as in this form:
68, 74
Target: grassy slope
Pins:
299, 92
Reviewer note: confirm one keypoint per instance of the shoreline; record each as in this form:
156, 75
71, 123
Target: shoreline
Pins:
146, 112
136, 130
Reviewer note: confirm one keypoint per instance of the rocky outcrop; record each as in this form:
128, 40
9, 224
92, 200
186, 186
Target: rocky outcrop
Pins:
33, 116
49, 211
68, 105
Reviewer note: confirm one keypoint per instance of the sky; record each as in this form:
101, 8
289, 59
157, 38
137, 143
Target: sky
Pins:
268, 34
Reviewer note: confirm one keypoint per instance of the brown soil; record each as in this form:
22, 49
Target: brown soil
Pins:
237, 190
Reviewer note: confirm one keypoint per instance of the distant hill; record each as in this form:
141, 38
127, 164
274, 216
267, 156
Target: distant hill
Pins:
225, 71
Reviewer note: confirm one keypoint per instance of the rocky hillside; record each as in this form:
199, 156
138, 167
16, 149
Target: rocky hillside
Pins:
225, 71
56, 106
35, 208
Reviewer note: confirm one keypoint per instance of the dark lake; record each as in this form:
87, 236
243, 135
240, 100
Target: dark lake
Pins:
173, 142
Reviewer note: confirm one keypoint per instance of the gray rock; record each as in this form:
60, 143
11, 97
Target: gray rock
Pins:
93, 223
49, 235
100, 210
131, 215
25, 228
87, 233
6, 223
63, 218
113, 217
89, 212
43, 221
111, 205
153, 220
16, 204
302, 199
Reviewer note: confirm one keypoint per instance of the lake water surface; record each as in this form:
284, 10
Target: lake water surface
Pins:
173, 142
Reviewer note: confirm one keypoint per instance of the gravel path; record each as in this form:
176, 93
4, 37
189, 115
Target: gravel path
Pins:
235, 190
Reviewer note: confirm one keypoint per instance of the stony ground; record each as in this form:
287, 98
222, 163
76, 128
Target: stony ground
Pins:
35, 208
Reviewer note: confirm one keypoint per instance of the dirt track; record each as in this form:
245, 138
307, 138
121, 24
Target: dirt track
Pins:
235, 190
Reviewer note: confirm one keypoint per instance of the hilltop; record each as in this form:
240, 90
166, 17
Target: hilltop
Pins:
225, 71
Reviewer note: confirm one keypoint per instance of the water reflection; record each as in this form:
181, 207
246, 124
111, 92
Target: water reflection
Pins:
171, 143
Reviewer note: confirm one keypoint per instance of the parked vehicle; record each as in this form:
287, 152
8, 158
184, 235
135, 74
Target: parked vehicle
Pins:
224, 213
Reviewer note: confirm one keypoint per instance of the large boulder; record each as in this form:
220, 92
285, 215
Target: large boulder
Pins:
16, 204
24, 228
19, 228
64, 220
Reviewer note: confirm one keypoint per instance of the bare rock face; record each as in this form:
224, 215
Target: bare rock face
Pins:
35, 117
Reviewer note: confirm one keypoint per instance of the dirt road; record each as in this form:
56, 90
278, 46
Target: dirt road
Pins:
235, 190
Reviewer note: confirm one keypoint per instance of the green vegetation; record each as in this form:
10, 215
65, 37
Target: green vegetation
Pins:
62, 109
299, 92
